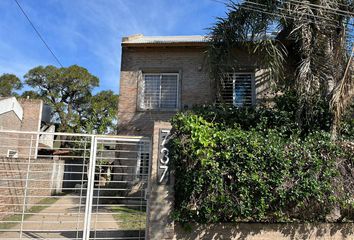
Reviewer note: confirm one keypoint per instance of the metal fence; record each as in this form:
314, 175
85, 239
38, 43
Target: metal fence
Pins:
72, 186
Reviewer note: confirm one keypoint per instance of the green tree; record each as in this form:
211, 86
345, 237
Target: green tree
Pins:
8, 84
100, 116
311, 36
30, 94
66, 90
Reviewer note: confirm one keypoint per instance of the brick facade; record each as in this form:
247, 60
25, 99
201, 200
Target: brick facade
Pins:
31, 121
190, 62
9, 120
196, 87
32, 114
44, 174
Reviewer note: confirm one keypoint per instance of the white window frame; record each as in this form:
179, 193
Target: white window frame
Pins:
141, 103
9, 155
253, 87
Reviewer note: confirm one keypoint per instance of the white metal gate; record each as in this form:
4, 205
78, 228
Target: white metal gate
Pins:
73, 186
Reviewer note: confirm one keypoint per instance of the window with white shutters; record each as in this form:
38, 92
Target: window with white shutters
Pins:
160, 91
243, 90
238, 89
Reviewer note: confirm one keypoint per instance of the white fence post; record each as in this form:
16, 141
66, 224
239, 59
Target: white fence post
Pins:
26, 188
90, 188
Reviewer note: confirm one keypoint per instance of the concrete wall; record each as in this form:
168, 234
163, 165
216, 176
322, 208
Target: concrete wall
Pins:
196, 87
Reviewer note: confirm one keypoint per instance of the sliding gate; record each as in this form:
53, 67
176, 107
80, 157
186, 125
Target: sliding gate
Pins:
71, 186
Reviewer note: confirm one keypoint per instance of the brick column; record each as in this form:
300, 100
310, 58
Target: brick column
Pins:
160, 203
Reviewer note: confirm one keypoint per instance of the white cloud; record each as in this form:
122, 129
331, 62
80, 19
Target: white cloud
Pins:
88, 32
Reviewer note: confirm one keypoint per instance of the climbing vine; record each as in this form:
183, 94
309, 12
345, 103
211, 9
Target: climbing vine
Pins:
257, 168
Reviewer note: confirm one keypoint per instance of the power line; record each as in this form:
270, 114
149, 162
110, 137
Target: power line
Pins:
335, 11
39, 35
279, 15
327, 10
260, 6
261, 9
316, 6
339, 11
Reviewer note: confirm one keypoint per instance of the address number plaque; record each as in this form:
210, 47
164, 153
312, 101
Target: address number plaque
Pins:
164, 158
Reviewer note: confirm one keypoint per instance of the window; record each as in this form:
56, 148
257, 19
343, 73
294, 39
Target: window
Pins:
160, 91
239, 89
243, 89
12, 153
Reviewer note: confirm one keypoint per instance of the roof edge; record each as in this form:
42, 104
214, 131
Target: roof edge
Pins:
141, 40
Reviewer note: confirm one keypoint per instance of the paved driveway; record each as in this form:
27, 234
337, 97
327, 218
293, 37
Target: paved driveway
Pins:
64, 219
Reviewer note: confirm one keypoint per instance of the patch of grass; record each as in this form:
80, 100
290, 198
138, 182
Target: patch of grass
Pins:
128, 218
10, 221
13, 220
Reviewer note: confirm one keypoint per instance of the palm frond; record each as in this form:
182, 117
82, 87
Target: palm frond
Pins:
318, 45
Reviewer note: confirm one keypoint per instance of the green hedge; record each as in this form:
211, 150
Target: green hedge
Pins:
253, 166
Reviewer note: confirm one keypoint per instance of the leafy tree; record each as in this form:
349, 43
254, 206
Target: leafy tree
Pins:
312, 38
66, 90
9, 83
100, 116
69, 92
30, 94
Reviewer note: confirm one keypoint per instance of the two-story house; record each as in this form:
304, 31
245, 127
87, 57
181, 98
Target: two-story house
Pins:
163, 75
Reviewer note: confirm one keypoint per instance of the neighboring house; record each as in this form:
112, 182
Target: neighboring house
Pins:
25, 115
163, 75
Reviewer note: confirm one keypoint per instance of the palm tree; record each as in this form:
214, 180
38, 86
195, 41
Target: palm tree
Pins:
312, 36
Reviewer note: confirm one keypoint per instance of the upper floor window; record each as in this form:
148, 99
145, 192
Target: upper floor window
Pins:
160, 91
239, 89
243, 89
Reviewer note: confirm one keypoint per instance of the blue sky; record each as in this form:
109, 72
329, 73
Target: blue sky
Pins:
89, 32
